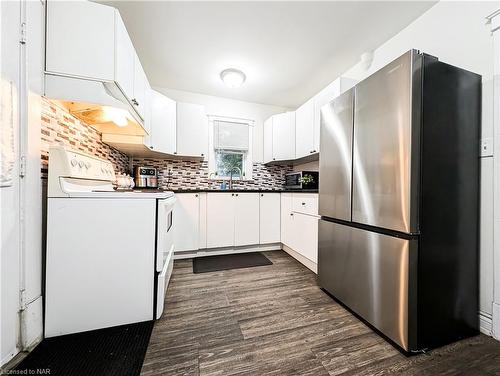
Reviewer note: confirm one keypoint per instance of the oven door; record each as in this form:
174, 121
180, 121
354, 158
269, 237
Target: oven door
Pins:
165, 232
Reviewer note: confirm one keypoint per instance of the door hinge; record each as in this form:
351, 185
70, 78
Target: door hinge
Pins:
23, 304
22, 166
22, 39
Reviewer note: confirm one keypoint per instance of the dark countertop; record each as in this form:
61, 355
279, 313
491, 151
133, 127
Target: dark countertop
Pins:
244, 190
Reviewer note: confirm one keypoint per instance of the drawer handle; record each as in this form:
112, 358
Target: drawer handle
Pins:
236, 195
303, 203
232, 194
262, 195
291, 214
196, 195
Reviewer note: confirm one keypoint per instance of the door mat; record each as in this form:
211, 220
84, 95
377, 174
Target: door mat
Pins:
116, 351
226, 262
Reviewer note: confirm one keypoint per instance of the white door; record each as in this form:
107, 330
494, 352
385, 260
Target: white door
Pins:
124, 58
304, 130
163, 123
192, 130
268, 140
270, 218
286, 219
220, 220
246, 219
140, 86
284, 136
305, 240
80, 39
186, 222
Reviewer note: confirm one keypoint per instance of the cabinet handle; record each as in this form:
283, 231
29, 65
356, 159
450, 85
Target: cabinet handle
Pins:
134, 102
202, 154
262, 195
303, 203
175, 152
236, 195
291, 214
232, 194
196, 195
151, 147
274, 159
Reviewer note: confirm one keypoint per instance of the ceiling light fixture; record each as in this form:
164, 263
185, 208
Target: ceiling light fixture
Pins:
232, 77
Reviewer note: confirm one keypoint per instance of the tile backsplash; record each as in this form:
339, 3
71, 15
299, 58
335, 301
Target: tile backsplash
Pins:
58, 126
194, 174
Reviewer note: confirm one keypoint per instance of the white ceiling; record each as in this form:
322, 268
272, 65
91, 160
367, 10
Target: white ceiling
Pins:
288, 50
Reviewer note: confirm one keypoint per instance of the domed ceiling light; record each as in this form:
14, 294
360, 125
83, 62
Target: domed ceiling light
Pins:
232, 78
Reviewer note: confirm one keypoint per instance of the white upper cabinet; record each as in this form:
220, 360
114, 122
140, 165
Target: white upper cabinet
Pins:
124, 58
163, 123
270, 218
141, 86
305, 130
80, 39
192, 130
283, 136
268, 140
246, 219
326, 95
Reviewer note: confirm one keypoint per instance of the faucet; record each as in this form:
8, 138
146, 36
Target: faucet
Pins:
231, 176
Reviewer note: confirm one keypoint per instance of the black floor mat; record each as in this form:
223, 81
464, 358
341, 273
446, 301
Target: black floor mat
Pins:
113, 351
225, 262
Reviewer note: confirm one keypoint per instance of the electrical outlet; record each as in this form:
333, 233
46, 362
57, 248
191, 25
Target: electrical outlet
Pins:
486, 147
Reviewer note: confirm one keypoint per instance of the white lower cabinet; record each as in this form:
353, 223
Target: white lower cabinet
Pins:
299, 225
188, 222
246, 219
220, 220
232, 219
270, 218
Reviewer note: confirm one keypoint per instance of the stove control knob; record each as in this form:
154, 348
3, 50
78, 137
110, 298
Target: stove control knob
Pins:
74, 162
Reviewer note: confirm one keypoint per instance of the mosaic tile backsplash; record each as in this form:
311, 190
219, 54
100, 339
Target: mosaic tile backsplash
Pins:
183, 174
59, 126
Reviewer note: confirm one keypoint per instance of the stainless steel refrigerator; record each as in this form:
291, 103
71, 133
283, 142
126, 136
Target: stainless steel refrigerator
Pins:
399, 200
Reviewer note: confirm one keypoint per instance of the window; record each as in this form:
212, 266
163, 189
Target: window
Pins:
230, 148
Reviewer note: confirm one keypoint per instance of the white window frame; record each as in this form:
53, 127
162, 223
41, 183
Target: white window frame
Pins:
247, 157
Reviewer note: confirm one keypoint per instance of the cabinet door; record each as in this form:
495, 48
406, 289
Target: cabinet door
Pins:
80, 39
220, 220
163, 123
268, 140
192, 130
270, 218
186, 222
286, 219
246, 219
141, 85
124, 58
304, 130
305, 239
284, 136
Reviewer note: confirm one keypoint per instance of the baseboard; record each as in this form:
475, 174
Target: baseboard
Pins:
495, 331
226, 251
303, 260
485, 323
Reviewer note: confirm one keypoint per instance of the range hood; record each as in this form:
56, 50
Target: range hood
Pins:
96, 103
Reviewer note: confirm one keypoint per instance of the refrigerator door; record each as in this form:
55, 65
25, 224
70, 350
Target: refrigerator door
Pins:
335, 160
369, 273
382, 184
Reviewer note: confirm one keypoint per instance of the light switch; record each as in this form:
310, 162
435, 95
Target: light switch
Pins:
486, 147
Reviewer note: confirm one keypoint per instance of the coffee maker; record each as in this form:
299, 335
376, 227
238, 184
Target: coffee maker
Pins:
146, 177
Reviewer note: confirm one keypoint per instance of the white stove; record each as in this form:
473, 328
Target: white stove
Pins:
109, 253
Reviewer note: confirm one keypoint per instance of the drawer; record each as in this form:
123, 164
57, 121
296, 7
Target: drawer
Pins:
305, 203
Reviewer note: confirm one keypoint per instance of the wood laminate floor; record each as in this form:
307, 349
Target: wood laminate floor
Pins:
274, 320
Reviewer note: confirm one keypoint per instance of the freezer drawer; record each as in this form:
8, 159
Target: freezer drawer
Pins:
368, 272
385, 136
335, 159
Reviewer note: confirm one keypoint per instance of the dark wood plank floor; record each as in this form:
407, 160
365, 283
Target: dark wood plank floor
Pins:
274, 320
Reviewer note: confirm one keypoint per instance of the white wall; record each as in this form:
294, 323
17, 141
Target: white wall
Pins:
231, 108
456, 32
